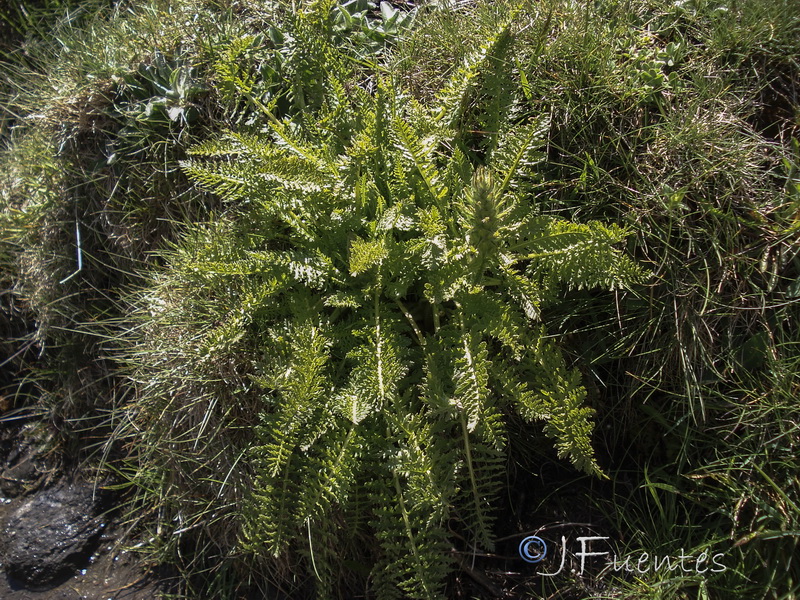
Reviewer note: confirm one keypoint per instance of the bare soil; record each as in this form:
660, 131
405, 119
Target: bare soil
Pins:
110, 573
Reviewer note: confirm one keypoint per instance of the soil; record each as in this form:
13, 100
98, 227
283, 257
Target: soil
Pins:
108, 572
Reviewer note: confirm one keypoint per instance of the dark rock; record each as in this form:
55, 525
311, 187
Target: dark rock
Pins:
50, 536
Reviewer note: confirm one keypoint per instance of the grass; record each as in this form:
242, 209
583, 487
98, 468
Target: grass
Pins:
679, 120
92, 185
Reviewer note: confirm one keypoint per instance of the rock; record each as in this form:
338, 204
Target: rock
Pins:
50, 536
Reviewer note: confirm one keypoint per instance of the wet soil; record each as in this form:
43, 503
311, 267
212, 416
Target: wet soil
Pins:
104, 571
110, 574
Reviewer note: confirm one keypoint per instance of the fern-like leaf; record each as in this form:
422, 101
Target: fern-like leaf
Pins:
454, 97
543, 389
